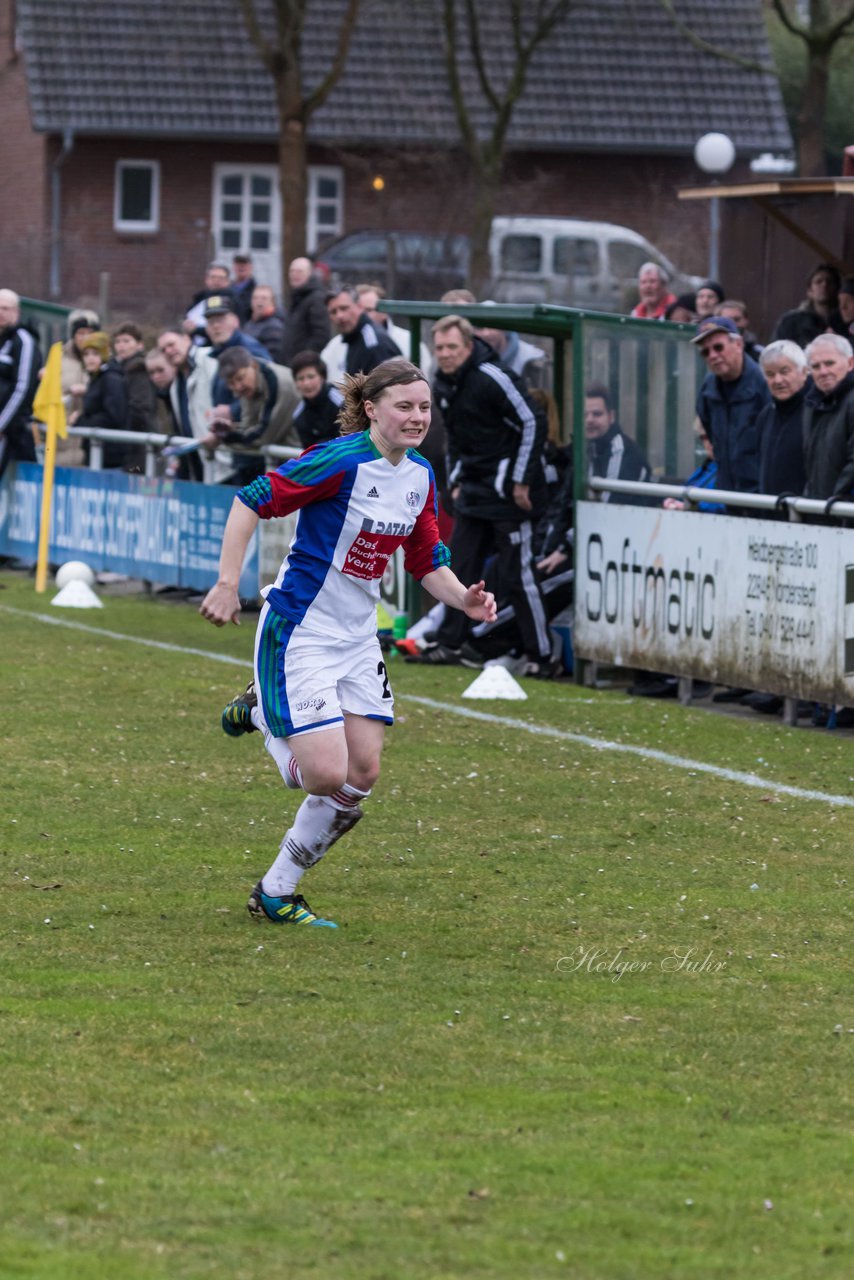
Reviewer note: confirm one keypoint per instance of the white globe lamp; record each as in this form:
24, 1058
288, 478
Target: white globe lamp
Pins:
714, 153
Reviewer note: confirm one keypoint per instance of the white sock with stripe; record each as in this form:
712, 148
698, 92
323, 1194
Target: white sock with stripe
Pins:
319, 822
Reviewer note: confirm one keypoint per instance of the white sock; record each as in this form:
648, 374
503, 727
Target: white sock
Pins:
281, 753
319, 822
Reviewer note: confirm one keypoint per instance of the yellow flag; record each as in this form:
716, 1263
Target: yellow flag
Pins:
48, 406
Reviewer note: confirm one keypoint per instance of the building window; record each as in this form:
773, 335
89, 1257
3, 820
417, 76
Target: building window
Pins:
324, 215
137, 202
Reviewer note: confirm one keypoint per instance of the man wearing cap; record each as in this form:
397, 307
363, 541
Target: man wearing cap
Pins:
223, 328
729, 401
217, 281
242, 285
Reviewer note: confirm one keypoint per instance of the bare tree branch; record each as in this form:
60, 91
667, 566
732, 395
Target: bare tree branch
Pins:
256, 35
477, 55
345, 33
706, 46
454, 82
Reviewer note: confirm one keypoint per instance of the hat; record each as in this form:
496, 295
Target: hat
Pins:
219, 304
716, 324
81, 319
97, 342
717, 289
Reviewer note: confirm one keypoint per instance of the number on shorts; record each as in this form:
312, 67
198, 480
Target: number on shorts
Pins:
381, 671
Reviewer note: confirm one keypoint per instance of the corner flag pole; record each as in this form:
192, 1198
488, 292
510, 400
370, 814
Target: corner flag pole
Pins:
50, 410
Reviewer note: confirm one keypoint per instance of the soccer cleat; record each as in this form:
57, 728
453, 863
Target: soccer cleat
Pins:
437, 655
237, 716
290, 909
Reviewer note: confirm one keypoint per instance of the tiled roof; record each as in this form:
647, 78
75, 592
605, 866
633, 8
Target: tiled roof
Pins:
615, 75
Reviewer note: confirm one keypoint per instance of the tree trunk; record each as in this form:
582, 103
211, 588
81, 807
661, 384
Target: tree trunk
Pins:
293, 174
487, 180
812, 161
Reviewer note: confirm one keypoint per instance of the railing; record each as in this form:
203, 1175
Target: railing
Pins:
795, 508
155, 443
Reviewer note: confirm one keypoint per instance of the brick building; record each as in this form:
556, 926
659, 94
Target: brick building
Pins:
141, 141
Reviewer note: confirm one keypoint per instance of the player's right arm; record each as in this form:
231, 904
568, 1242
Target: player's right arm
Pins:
222, 603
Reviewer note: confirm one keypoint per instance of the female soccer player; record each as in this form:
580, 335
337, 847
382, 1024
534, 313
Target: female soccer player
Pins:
321, 695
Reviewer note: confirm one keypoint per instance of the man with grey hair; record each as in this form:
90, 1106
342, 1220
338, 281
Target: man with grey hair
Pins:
20, 361
829, 418
779, 427
655, 297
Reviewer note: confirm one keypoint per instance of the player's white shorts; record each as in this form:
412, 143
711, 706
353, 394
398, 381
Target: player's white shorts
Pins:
305, 681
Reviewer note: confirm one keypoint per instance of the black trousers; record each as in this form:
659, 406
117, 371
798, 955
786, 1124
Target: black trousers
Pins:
473, 541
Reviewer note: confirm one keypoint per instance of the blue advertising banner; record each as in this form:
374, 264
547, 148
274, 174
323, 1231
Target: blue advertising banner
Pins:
166, 531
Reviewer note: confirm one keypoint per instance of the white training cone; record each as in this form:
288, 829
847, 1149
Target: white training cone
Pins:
76, 595
496, 682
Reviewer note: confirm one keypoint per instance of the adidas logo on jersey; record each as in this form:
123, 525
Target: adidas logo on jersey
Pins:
373, 492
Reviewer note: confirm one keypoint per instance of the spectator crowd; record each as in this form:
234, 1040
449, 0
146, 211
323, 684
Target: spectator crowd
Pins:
239, 372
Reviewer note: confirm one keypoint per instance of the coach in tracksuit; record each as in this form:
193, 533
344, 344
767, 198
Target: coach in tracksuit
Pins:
20, 361
495, 473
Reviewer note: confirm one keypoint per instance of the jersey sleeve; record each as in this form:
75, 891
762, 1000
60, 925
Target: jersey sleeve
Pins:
424, 550
293, 485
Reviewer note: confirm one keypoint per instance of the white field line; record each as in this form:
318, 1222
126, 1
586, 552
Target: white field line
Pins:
486, 717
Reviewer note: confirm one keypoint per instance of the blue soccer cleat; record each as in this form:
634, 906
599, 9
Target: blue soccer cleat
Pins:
292, 908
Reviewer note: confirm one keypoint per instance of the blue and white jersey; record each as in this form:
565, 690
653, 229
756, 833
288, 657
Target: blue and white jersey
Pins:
355, 510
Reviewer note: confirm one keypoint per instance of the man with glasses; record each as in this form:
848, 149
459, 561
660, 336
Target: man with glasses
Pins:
730, 399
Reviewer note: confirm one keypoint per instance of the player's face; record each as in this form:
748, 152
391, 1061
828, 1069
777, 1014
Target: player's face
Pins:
400, 417
784, 378
309, 383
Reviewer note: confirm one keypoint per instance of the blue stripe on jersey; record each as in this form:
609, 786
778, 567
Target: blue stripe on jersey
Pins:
272, 690
317, 535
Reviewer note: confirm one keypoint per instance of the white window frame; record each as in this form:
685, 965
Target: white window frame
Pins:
148, 224
313, 231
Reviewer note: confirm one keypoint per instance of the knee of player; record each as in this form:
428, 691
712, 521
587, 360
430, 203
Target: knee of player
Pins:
323, 781
364, 775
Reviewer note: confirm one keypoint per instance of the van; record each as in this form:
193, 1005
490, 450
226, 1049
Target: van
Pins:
568, 261
572, 262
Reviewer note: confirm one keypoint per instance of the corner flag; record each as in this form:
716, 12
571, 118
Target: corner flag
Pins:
50, 410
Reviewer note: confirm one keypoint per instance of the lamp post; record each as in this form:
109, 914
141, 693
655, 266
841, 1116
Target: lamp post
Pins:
714, 153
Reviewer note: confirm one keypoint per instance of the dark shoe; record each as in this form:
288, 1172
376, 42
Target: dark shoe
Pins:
844, 719
469, 656
767, 704
543, 669
730, 695
438, 655
666, 687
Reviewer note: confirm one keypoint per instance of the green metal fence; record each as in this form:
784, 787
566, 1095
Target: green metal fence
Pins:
649, 367
49, 319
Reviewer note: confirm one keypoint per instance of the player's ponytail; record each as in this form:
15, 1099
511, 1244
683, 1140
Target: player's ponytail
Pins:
359, 387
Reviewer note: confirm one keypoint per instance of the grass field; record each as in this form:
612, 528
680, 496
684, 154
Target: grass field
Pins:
586, 1014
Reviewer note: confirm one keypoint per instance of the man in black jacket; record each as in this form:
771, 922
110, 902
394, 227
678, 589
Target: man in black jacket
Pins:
611, 454
495, 471
366, 345
20, 361
829, 418
307, 320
